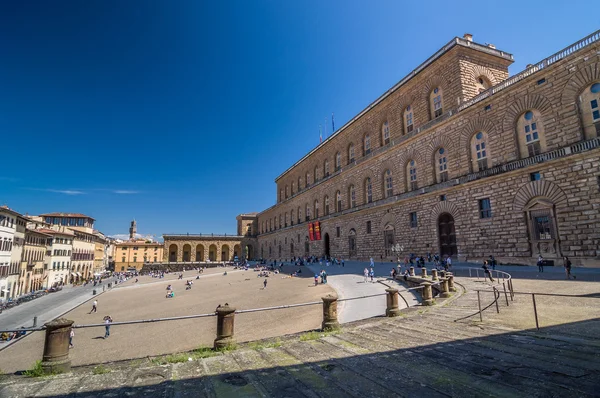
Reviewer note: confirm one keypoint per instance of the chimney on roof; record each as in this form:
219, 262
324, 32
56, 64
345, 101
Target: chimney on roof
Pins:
468, 37
490, 45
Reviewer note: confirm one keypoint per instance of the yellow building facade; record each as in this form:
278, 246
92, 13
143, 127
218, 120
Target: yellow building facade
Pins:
134, 254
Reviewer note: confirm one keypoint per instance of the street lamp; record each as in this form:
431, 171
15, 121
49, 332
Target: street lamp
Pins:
398, 249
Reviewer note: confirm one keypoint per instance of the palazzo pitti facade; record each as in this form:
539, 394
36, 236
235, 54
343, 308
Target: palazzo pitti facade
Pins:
460, 159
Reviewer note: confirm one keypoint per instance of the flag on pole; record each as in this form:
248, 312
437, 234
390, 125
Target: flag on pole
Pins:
332, 124
320, 135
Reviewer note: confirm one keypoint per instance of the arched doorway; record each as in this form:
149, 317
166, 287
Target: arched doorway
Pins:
292, 249
249, 252
187, 252
199, 253
352, 243
327, 248
306, 247
447, 235
237, 251
173, 253
225, 253
212, 252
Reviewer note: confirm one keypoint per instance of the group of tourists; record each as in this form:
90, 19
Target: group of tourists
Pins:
322, 276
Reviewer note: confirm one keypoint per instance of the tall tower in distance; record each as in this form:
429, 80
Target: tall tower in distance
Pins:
132, 230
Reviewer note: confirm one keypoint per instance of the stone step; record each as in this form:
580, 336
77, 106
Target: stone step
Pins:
224, 377
342, 375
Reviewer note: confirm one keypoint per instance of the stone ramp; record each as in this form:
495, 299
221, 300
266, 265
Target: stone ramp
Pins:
423, 354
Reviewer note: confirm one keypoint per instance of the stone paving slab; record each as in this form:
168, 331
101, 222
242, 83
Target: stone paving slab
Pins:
422, 353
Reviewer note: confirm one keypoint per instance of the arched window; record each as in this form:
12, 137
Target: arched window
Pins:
292, 217
293, 188
388, 183
326, 204
366, 145
299, 184
316, 175
307, 212
316, 209
280, 195
436, 102
368, 190
326, 168
530, 134
338, 201
299, 215
350, 153
385, 133
286, 191
280, 221
338, 161
589, 103
479, 151
408, 120
411, 175
482, 83
307, 180
286, 220
441, 165
351, 197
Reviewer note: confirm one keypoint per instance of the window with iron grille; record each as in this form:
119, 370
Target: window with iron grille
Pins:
543, 227
369, 226
408, 119
389, 184
413, 220
437, 102
337, 232
485, 208
412, 173
368, 191
350, 154
367, 145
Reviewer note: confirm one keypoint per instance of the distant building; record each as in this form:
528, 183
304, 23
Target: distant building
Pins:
134, 254
32, 272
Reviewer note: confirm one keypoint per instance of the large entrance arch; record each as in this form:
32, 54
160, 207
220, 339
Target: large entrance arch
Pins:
173, 253
249, 252
447, 235
327, 245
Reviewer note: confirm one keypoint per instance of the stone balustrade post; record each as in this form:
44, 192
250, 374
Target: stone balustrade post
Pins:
451, 286
434, 275
392, 302
424, 272
330, 320
225, 318
56, 346
426, 293
411, 271
444, 289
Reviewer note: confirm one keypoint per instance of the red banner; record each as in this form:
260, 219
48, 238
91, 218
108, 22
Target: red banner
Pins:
311, 231
317, 230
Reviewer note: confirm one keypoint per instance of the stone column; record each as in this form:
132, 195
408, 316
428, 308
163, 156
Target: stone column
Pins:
451, 282
444, 289
56, 346
434, 275
426, 293
225, 317
411, 271
392, 302
330, 321
424, 272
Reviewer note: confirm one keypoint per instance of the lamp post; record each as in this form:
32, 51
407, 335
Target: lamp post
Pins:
398, 249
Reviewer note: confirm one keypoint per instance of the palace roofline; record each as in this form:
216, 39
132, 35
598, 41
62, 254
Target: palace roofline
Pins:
457, 41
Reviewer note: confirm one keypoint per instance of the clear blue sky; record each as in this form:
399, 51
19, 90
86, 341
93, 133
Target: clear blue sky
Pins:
182, 113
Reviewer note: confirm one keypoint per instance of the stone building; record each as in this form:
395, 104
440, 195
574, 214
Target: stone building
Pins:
458, 158
183, 248
32, 275
134, 254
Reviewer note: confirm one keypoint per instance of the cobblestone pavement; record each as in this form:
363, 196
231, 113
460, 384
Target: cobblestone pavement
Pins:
424, 353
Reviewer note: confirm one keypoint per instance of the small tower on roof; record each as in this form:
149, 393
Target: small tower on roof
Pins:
132, 230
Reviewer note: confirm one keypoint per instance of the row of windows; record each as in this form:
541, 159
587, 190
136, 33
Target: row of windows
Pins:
70, 221
529, 129
6, 245
145, 248
32, 255
123, 260
6, 221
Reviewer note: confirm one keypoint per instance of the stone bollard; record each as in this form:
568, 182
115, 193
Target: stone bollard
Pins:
451, 282
424, 272
426, 293
225, 317
330, 321
411, 271
444, 289
434, 275
392, 302
56, 346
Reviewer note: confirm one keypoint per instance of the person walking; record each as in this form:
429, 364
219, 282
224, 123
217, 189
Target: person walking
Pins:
71, 335
487, 271
366, 274
94, 307
107, 322
316, 279
372, 274
265, 284
449, 263
540, 263
372, 263
567, 265
492, 262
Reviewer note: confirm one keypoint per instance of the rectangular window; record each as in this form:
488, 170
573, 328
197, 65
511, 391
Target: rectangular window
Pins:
413, 220
535, 176
542, 225
485, 208
482, 164
369, 226
534, 148
442, 198
337, 232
